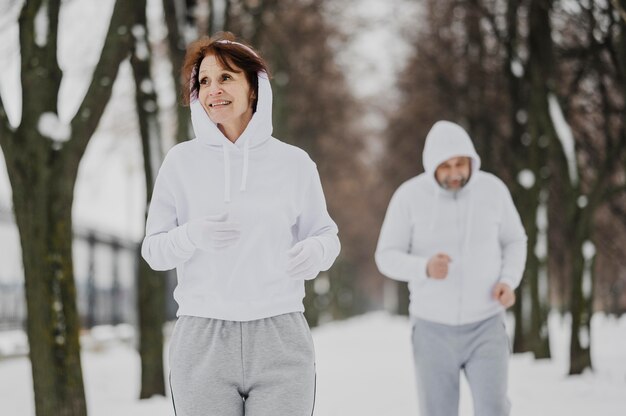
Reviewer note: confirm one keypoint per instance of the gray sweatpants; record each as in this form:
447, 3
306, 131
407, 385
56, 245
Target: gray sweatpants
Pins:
264, 367
479, 349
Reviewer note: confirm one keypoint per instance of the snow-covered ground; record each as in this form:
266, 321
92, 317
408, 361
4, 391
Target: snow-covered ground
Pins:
364, 368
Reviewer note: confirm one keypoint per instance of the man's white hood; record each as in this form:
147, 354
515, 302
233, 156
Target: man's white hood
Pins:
445, 141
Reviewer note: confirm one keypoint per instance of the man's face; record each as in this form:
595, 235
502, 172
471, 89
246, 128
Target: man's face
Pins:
454, 173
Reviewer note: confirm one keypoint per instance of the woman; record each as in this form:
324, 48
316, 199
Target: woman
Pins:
242, 217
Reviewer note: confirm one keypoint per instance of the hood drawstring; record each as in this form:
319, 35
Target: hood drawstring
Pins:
226, 173
244, 170
434, 215
468, 221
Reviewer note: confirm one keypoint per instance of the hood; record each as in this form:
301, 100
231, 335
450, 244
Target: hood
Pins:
259, 128
444, 141
258, 132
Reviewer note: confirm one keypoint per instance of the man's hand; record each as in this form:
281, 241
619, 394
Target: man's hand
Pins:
504, 294
437, 266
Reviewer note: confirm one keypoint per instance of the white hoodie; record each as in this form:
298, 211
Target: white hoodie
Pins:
477, 226
271, 188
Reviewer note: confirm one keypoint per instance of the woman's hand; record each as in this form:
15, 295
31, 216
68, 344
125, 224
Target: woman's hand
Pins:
213, 232
305, 259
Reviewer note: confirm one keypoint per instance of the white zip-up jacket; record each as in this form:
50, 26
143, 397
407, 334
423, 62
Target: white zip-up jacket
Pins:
271, 188
478, 226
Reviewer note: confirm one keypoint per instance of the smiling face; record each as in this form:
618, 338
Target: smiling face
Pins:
454, 173
226, 96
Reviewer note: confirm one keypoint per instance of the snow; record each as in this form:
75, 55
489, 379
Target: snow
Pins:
526, 178
146, 86
541, 246
517, 68
589, 250
11, 264
82, 29
10, 78
521, 116
50, 126
364, 367
42, 25
141, 46
565, 136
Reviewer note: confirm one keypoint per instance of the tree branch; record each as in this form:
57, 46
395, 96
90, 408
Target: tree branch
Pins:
490, 18
227, 13
614, 192
41, 74
50, 49
211, 23
116, 48
620, 5
6, 132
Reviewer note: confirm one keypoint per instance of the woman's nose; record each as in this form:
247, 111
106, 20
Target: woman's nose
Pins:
214, 90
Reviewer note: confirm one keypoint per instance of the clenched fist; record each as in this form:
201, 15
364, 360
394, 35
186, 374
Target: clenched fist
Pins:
437, 267
504, 294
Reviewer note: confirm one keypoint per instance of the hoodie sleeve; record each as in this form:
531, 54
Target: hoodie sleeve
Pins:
315, 223
393, 256
166, 244
513, 242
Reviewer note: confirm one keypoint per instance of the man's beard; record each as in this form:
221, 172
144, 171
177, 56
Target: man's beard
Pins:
447, 181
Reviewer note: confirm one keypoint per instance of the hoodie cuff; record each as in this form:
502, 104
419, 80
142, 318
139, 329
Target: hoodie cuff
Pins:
181, 241
421, 266
508, 282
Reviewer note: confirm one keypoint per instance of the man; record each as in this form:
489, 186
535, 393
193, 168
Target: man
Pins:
454, 235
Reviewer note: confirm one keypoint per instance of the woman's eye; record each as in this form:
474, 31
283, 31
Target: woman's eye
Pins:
204, 81
226, 77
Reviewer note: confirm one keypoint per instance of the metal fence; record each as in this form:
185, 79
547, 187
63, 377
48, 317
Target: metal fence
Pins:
105, 271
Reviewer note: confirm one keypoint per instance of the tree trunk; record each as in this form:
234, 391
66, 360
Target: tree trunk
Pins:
42, 172
519, 334
177, 44
580, 355
540, 72
43, 215
528, 215
150, 284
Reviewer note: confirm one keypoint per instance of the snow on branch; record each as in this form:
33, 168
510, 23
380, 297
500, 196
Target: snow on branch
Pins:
42, 25
565, 136
49, 125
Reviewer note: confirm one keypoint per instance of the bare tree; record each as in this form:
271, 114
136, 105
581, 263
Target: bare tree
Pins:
592, 99
151, 285
42, 160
